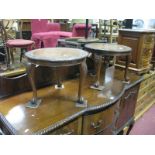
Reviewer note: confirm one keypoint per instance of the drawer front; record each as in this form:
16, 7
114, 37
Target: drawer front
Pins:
145, 83
127, 106
143, 92
73, 128
147, 49
95, 123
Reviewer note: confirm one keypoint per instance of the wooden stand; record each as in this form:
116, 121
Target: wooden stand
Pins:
142, 44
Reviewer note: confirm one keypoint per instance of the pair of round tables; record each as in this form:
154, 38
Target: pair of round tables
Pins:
62, 56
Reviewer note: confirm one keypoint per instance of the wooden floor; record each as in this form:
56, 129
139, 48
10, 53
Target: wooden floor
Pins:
57, 104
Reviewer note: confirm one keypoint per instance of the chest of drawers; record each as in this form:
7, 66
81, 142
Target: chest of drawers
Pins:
142, 44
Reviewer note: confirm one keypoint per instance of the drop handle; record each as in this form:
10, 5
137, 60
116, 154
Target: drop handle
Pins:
130, 94
69, 132
96, 125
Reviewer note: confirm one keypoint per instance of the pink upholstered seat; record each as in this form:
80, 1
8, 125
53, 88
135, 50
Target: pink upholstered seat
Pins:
46, 38
64, 34
41, 30
19, 43
49, 41
16, 43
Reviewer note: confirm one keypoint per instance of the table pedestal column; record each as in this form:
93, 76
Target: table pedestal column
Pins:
100, 85
59, 84
35, 102
126, 78
81, 102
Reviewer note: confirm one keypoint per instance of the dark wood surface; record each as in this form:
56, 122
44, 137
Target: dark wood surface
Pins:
58, 107
138, 30
108, 49
56, 56
45, 76
77, 42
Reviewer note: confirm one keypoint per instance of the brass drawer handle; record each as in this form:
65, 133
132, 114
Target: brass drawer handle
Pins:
96, 125
68, 133
14, 78
129, 95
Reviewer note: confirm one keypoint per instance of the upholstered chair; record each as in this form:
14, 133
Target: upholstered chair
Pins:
12, 44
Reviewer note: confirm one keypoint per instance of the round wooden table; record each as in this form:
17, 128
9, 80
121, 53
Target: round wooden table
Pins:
77, 42
107, 50
56, 57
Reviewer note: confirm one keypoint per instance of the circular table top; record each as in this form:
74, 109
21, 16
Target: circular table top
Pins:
108, 49
79, 40
58, 54
87, 40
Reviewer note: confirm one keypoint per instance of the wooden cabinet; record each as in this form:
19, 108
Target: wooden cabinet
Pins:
107, 112
126, 108
26, 24
146, 95
99, 123
142, 44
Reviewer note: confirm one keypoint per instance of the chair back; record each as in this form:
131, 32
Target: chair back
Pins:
53, 27
39, 25
79, 30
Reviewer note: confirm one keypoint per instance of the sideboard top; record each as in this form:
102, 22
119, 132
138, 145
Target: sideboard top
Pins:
138, 30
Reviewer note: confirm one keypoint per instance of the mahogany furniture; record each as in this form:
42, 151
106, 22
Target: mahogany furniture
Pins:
107, 50
56, 57
108, 111
142, 43
146, 95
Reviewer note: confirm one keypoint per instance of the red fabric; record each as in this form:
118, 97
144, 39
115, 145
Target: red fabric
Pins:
39, 25
51, 41
53, 27
79, 30
65, 34
39, 37
42, 31
20, 43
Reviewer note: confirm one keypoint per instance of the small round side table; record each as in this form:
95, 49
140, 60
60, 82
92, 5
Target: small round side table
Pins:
56, 57
107, 50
